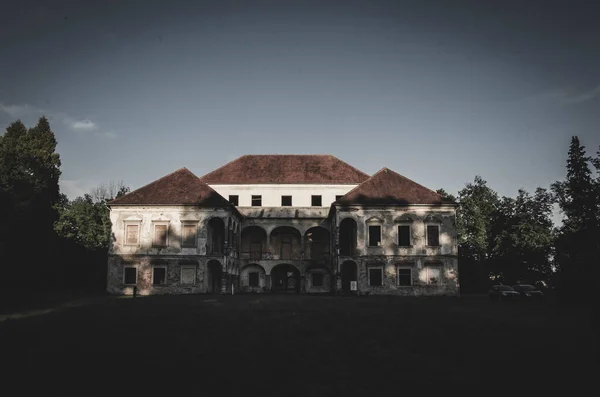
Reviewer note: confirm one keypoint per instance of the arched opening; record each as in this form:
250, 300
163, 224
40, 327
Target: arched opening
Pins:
317, 243
215, 241
253, 278
214, 277
349, 273
254, 242
285, 278
285, 243
348, 237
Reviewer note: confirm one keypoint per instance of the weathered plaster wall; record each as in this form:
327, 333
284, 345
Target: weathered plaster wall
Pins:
271, 194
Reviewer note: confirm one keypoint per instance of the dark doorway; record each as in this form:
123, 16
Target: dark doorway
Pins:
348, 237
215, 273
285, 278
348, 275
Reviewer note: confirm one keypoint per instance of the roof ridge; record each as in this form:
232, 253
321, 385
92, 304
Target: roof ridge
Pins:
360, 184
157, 180
223, 166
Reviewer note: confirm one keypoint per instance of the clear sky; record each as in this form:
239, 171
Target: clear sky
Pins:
438, 91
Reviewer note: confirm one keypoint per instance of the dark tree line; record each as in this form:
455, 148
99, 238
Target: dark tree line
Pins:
510, 240
46, 240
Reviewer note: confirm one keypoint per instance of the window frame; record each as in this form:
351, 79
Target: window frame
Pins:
139, 230
439, 232
380, 268
194, 224
404, 267
380, 242
256, 197
125, 276
338, 197
166, 275
237, 199
257, 279
435, 265
318, 197
286, 197
160, 223
185, 267
410, 237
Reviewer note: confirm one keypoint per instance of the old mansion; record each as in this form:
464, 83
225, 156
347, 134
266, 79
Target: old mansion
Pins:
283, 223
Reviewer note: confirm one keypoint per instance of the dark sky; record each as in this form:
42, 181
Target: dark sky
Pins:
436, 90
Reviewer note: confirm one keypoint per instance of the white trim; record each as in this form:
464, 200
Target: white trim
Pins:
369, 235
439, 226
136, 273
380, 268
139, 232
181, 268
193, 224
166, 274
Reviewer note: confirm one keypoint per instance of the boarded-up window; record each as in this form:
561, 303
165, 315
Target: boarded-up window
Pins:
404, 277
286, 201
188, 275
132, 234
374, 236
189, 235
433, 235
253, 279
404, 235
130, 276
317, 279
160, 236
256, 201
375, 277
316, 201
431, 274
159, 275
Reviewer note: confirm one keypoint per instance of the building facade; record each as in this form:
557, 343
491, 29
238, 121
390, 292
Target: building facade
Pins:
287, 224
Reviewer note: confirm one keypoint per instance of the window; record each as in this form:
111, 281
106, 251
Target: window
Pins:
404, 276
374, 236
338, 197
316, 201
404, 235
286, 201
433, 235
375, 277
132, 234
253, 279
317, 279
130, 275
159, 275
188, 275
256, 201
431, 274
234, 199
160, 235
189, 235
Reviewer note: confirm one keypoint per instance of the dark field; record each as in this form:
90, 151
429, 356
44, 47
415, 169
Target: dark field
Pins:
297, 345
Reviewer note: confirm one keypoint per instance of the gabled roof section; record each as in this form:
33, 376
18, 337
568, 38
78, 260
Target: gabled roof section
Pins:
286, 169
387, 187
181, 187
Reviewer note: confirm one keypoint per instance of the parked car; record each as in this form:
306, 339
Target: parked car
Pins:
503, 292
528, 291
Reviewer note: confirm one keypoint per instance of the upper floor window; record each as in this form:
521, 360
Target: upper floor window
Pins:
188, 235
257, 201
433, 235
132, 234
159, 238
316, 201
338, 197
286, 201
404, 235
374, 235
234, 199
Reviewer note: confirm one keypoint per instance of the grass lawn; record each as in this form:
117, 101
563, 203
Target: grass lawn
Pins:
204, 345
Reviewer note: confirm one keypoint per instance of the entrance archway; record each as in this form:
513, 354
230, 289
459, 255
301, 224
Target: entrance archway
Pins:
349, 273
215, 273
285, 278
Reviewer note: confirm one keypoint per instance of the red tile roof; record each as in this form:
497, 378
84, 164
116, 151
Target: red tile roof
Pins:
282, 168
387, 187
178, 188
